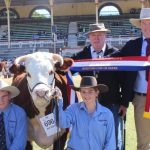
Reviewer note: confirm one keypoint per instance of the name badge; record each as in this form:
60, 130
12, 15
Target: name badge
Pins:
49, 124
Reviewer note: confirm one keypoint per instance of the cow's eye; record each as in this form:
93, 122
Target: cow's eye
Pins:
51, 72
28, 74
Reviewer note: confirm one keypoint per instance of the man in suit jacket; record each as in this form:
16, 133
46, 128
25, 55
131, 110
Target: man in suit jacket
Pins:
135, 83
112, 100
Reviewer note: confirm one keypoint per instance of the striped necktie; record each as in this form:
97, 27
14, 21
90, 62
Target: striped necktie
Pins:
147, 54
99, 54
2, 133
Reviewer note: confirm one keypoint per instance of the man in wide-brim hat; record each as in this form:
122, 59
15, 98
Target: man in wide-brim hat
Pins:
13, 120
144, 15
142, 124
97, 36
135, 83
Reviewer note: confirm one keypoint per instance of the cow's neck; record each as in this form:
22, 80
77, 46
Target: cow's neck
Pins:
37, 133
42, 110
42, 113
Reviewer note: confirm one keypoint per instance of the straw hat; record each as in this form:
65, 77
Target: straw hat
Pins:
100, 27
12, 89
144, 15
90, 82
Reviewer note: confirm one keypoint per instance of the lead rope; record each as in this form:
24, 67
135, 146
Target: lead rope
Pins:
57, 118
55, 106
57, 124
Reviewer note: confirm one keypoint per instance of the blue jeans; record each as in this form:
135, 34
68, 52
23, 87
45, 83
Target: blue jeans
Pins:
118, 126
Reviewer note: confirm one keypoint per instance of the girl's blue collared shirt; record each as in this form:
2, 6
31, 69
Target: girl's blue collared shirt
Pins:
94, 131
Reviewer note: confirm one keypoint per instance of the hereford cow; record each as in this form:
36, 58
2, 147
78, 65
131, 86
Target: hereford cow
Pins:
42, 74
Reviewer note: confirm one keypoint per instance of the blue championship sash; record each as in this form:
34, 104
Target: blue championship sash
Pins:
135, 63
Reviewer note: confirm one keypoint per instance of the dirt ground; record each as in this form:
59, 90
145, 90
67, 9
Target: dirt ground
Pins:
8, 80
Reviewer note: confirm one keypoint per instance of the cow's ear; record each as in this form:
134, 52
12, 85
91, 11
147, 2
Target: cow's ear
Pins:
57, 65
16, 68
68, 62
22, 68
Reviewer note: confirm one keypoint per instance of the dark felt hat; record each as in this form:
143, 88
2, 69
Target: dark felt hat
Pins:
90, 82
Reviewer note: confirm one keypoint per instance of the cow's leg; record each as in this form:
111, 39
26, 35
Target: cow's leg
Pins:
29, 146
60, 143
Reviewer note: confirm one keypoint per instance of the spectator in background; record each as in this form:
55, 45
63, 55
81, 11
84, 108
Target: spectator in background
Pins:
5, 70
131, 31
113, 99
123, 32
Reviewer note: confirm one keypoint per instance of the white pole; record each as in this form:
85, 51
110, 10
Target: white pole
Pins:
142, 3
145, 3
7, 3
8, 21
96, 10
52, 17
52, 23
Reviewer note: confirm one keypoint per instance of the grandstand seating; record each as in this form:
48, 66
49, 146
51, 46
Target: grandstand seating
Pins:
35, 35
119, 28
42, 30
35, 31
9, 54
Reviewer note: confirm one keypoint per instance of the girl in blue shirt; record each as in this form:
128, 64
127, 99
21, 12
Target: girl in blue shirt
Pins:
92, 125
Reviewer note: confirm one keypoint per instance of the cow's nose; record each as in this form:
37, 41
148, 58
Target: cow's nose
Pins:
41, 93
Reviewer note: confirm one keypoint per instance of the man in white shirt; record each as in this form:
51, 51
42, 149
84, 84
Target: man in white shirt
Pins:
135, 83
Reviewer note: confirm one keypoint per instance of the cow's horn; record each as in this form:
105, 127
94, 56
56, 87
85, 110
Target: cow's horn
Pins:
22, 58
58, 58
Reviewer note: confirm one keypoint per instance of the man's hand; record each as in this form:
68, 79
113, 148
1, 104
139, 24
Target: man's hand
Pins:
122, 111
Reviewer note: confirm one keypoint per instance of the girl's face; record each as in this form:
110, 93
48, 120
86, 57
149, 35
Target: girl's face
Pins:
89, 95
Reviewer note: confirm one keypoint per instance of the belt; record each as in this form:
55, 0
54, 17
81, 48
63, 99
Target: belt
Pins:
140, 94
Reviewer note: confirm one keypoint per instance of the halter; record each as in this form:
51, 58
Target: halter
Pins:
52, 84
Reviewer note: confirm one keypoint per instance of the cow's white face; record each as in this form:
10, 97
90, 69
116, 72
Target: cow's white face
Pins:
40, 68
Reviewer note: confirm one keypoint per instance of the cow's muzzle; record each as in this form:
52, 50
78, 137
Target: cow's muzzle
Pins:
49, 94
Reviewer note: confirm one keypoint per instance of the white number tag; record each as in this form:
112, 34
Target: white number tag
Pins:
49, 124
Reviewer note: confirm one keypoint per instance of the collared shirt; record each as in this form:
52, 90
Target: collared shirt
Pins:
95, 55
141, 83
88, 131
15, 121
